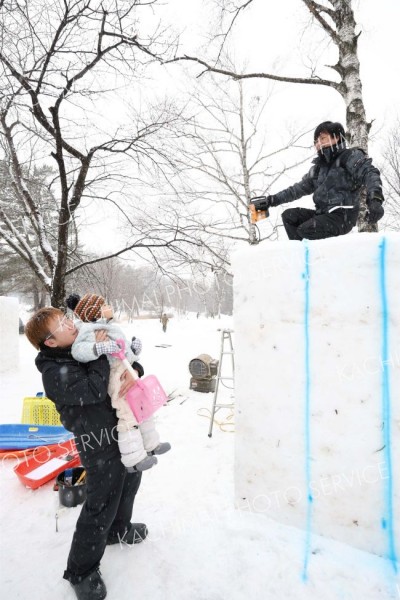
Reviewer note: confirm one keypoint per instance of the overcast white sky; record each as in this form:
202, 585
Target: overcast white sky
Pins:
273, 37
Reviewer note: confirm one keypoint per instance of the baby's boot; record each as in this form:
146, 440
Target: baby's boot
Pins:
143, 465
162, 448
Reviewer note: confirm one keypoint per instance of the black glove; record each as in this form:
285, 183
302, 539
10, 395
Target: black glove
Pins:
262, 203
375, 209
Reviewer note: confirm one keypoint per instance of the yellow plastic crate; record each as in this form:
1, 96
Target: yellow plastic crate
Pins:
39, 410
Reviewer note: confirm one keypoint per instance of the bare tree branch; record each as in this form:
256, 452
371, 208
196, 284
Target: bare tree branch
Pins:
316, 10
236, 76
225, 35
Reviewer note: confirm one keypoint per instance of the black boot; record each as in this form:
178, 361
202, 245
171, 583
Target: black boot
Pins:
91, 588
136, 533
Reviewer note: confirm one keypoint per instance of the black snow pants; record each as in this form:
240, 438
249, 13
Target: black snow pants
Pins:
106, 512
305, 223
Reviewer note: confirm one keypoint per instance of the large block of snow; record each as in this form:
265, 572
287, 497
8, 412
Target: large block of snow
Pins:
8, 333
317, 345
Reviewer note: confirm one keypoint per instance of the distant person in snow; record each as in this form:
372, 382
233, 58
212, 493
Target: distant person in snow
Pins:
164, 320
97, 335
335, 180
80, 394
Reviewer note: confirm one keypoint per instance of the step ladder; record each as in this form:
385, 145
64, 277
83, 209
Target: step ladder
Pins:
226, 341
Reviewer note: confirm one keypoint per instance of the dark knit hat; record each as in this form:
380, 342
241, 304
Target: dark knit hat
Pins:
87, 308
334, 129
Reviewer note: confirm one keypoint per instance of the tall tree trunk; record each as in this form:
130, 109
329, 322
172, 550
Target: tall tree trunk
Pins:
348, 67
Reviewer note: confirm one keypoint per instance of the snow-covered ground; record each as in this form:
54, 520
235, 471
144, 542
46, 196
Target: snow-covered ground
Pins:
200, 547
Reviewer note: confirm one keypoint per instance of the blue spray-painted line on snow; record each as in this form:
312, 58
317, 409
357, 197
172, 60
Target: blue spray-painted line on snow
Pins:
387, 521
306, 277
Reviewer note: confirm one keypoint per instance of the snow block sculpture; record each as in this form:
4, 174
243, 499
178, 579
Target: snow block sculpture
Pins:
317, 346
8, 333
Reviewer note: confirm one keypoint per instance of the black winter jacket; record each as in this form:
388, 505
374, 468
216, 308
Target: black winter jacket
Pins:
336, 183
79, 391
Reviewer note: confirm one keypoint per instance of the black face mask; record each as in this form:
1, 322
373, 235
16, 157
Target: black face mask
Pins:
330, 152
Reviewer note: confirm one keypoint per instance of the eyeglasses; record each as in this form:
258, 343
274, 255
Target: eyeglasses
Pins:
65, 323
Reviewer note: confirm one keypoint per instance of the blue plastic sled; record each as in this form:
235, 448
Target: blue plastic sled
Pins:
20, 437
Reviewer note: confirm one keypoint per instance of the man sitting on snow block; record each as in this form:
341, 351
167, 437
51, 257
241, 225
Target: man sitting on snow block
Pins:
79, 391
335, 180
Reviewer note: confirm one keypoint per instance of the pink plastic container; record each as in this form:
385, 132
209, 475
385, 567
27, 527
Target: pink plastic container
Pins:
147, 395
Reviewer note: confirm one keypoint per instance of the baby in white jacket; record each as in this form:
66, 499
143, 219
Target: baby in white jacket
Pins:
138, 443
